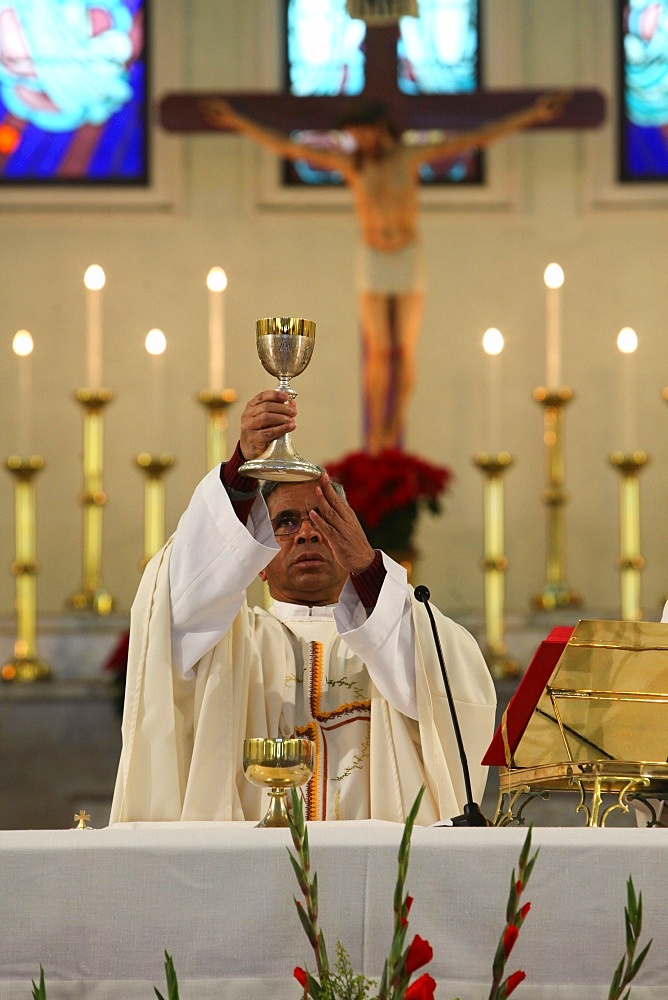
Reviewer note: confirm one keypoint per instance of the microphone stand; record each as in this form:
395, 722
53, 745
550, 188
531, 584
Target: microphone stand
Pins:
471, 816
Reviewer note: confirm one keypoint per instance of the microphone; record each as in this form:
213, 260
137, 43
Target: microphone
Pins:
472, 816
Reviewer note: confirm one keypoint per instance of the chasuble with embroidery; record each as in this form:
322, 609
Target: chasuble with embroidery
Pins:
206, 671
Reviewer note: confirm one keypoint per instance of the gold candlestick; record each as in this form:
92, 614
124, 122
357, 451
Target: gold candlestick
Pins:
556, 593
25, 666
216, 404
630, 561
93, 596
154, 468
494, 562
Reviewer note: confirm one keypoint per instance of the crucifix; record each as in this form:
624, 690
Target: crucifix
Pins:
383, 177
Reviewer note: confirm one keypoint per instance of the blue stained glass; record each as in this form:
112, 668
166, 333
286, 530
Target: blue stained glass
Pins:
72, 92
437, 53
643, 30
325, 55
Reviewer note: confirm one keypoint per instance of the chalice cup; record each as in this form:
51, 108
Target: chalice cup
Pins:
278, 765
285, 346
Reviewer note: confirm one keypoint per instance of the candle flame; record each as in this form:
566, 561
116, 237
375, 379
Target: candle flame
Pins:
22, 343
554, 276
627, 340
155, 342
492, 341
216, 280
94, 278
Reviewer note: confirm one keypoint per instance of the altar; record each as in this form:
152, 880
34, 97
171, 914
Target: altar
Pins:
98, 908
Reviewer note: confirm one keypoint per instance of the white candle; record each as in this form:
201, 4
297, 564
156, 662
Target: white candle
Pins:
554, 279
627, 342
22, 345
156, 343
216, 281
492, 343
94, 280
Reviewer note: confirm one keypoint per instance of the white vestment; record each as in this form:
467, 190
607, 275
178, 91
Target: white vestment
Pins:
205, 671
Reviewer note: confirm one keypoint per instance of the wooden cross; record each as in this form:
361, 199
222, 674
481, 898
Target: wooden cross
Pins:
449, 112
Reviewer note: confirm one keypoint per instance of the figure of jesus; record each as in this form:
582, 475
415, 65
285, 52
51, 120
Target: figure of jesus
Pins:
382, 173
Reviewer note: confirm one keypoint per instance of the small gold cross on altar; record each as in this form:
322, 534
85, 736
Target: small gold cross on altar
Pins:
81, 818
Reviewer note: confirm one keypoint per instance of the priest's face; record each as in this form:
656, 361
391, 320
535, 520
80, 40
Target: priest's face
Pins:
305, 570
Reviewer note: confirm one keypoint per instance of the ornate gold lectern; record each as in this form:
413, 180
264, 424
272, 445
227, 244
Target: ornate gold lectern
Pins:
590, 716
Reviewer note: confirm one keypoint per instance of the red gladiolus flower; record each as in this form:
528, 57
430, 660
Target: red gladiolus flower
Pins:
518, 887
509, 938
419, 953
422, 989
300, 976
514, 980
525, 909
407, 907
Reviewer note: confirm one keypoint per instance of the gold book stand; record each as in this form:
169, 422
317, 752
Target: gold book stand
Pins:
590, 717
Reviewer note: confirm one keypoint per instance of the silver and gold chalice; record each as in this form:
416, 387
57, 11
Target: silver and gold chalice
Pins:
285, 346
278, 765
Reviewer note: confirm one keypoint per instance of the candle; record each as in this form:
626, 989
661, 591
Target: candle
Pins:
22, 345
627, 342
94, 279
492, 343
554, 279
156, 343
216, 282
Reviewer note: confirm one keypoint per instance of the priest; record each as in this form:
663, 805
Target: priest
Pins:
344, 656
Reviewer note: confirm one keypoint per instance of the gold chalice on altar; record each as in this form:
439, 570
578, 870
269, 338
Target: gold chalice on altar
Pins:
285, 346
278, 765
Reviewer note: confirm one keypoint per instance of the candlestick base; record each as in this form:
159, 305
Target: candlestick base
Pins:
630, 561
24, 670
629, 462
98, 601
557, 396
216, 403
154, 466
217, 399
501, 665
495, 563
556, 592
94, 399
493, 463
556, 595
26, 665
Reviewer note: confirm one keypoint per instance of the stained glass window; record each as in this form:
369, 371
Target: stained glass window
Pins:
73, 92
643, 90
437, 53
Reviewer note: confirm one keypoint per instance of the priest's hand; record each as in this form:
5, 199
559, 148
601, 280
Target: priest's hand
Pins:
265, 417
339, 526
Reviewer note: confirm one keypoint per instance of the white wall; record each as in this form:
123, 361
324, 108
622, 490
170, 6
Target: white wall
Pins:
550, 199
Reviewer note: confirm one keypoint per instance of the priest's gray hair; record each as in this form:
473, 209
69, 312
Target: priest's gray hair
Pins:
269, 485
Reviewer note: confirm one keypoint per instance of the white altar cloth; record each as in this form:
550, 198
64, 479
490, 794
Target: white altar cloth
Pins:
98, 908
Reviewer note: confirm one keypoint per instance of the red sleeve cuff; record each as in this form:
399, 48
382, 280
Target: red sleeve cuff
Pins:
229, 474
369, 582
242, 490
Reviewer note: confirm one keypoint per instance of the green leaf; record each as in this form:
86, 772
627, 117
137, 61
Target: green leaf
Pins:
307, 924
39, 992
172, 982
301, 877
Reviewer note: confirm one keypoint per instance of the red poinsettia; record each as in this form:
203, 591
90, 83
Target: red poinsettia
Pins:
387, 491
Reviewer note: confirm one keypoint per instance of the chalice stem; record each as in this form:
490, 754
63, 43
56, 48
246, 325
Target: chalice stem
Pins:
277, 813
